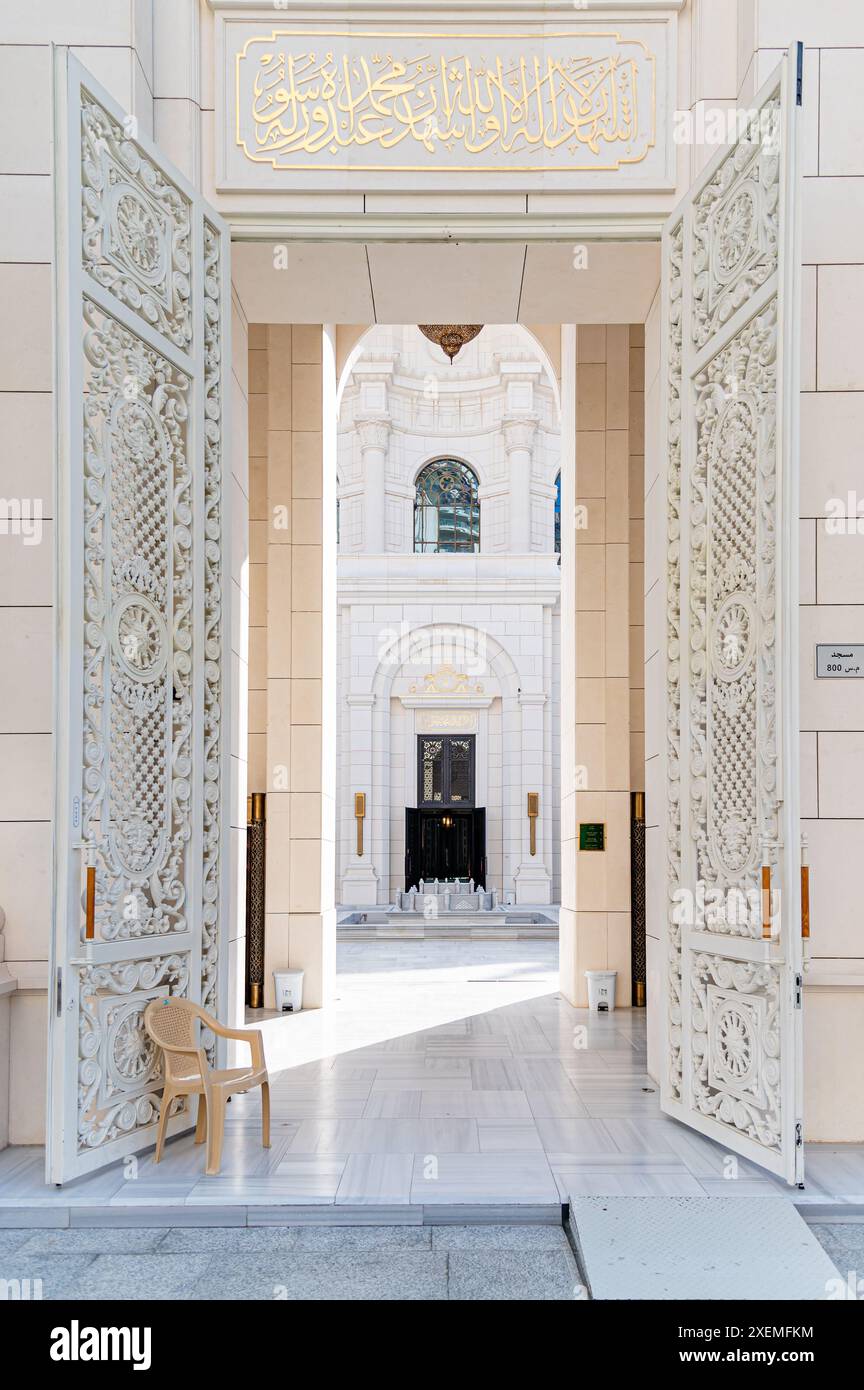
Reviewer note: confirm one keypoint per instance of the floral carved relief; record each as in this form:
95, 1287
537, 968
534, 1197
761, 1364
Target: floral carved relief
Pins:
136, 226
119, 1068
673, 649
213, 620
736, 1045
736, 221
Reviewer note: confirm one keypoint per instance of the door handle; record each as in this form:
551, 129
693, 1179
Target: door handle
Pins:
90, 904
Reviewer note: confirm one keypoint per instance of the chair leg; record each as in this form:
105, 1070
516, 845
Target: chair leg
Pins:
167, 1098
265, 1114
215, 1130
201, 1125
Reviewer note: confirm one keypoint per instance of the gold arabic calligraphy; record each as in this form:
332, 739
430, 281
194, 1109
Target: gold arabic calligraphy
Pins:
306, 104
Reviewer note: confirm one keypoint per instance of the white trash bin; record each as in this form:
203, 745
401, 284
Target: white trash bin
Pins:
289, 990
601, 990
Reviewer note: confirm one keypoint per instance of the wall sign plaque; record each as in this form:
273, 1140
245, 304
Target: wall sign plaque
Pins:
592, 835
583, 101
840, 660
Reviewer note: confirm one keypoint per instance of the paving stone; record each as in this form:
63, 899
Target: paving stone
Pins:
60, 1275
396, 1275
529, 1276
13, 1240
484, 1238
94, 1241
241, 1240
141, 1276
323, 1240
844, 1244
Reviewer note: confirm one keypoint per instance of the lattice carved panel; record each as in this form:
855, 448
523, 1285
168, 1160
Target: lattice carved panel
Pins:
137, 694
733, 754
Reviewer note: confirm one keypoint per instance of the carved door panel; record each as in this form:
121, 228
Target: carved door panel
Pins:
733, 950
142, 315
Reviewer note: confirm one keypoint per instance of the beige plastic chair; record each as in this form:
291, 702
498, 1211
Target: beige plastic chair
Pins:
171, 1023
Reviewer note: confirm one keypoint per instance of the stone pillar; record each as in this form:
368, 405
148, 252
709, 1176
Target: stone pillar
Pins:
360, 881
519, 432
374, 434
595, 675
533, 880
301, 733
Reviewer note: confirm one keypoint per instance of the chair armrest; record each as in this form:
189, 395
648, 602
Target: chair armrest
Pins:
252, 1036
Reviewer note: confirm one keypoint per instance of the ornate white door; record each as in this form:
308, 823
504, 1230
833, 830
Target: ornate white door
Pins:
733, 978
140, 849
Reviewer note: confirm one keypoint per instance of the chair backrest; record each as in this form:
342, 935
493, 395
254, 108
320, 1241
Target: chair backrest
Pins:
171, 1022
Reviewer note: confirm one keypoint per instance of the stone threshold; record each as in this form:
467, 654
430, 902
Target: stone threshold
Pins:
55, 1215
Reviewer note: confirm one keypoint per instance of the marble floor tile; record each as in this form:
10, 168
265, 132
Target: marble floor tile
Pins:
480, 1178
420, 1081
445, 1068
508, 1136
575, 1136
324, 1108
485, 1048
376, 1179
489, 1074
331, 1087
503, 1105
392, 1105
543, 1075
299, 1178
438, 1136
564, 1104
587, 1182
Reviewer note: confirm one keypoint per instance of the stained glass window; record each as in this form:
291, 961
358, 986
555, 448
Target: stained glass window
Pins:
446, 508
558, 515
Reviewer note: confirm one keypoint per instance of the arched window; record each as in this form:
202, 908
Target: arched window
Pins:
446, 508
558, 515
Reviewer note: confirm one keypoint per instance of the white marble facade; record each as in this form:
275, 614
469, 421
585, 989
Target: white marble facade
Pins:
444, 642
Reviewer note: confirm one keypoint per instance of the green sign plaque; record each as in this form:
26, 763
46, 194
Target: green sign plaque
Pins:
592, 835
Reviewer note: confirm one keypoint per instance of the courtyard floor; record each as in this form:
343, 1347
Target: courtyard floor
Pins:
449, 1082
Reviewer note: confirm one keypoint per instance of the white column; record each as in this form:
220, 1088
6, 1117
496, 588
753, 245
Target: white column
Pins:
533, 880
374, 433
519, 432
360, 881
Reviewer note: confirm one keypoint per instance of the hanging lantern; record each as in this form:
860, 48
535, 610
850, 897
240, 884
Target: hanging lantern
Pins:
450, 336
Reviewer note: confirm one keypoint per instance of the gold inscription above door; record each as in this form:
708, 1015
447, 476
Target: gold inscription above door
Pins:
578, 101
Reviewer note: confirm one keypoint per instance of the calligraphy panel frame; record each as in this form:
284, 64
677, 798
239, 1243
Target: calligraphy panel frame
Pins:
614, 83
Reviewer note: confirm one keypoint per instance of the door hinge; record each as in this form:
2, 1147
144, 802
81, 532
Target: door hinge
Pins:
799, 75
799, 1134
799, 990
59, 991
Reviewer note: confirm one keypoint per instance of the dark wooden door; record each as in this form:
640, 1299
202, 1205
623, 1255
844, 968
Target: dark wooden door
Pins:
412, 847
477, 870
